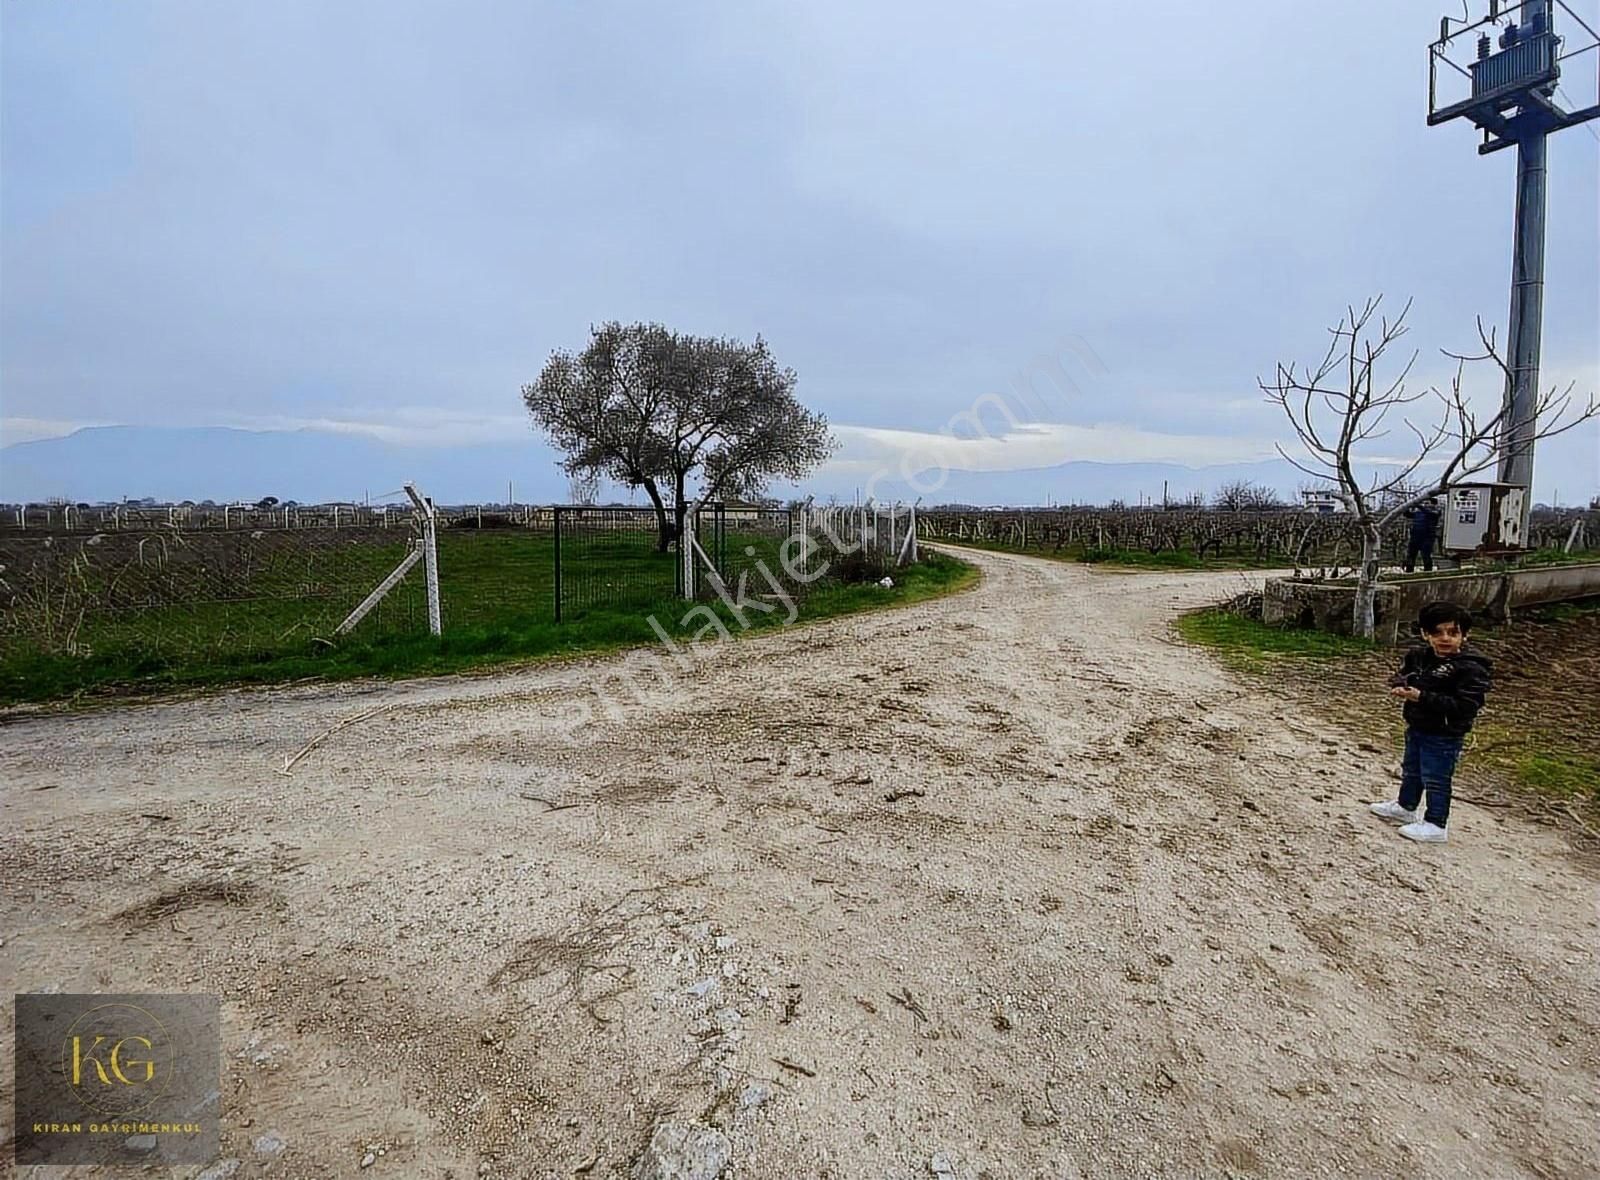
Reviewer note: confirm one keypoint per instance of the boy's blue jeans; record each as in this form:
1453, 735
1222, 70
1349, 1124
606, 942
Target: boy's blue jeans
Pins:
1429, 765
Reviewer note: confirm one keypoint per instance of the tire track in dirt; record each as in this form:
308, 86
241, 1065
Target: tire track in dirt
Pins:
1137, 921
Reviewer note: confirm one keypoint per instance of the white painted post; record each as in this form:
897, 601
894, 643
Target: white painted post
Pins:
411, 558
1572, 537
686, 548
431, 557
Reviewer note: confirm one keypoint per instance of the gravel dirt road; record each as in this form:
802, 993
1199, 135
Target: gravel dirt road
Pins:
1008, 884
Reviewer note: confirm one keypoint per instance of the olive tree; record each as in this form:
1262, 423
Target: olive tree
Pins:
654, 409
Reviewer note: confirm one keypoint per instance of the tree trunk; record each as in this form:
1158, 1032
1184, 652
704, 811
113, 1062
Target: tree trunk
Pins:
664, 533
1363, 622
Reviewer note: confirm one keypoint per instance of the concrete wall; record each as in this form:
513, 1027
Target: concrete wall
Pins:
1328, 606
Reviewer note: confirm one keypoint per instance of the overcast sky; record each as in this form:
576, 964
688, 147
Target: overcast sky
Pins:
381, 217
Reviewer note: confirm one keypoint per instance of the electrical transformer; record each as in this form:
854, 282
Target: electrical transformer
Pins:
1483, 518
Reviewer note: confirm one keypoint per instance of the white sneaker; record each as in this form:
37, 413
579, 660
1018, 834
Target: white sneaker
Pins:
1425, 833
1392, 810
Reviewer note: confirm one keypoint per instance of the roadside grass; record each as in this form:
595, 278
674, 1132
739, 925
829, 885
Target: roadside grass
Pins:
133, 667
1541, 760
1541, 733
1254, 646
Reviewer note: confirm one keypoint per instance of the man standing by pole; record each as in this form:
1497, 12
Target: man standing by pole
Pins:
1424, 531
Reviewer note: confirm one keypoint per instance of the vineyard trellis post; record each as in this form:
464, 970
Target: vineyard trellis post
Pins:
908, 547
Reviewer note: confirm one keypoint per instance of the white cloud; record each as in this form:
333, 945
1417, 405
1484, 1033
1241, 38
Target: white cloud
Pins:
1027, 445
405, 426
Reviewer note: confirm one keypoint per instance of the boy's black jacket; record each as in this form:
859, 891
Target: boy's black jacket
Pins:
1453, 690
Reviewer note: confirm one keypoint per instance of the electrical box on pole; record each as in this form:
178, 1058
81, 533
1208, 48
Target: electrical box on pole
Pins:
1502, 73
1483, 519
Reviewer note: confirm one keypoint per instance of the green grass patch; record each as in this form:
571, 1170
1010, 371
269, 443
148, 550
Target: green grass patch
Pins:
1252, 645
1539, 760
494, 618
1558, 772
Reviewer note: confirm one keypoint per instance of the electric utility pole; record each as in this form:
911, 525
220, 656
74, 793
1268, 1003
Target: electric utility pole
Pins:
1513, 79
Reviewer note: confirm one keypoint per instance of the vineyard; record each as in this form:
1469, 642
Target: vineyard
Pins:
1261, 538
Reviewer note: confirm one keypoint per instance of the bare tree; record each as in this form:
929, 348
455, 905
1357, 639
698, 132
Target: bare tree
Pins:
1242, 495
1342, 404
583, 486
1230, 497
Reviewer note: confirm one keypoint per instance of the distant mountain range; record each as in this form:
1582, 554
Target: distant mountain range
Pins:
99, 463
172, 464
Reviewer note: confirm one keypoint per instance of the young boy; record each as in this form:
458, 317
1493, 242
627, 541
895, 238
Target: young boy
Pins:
1443, 686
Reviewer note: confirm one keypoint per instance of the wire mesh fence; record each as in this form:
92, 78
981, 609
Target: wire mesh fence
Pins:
237, 592
610, 559
776, 553
240, 584
143, 596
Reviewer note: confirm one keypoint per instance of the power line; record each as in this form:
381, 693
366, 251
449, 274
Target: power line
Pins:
1587, 126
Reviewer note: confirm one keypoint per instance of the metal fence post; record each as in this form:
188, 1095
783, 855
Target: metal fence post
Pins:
557, 524
722, 541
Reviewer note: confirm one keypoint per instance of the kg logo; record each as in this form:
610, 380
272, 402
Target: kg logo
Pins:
117, 1058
